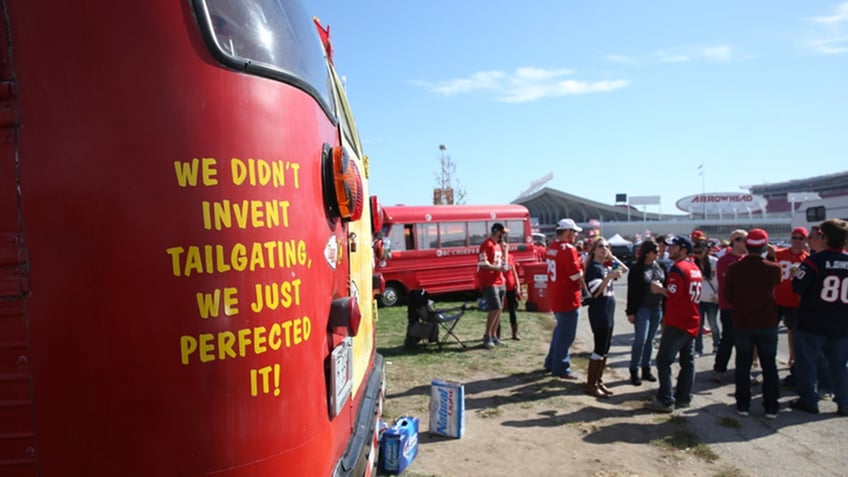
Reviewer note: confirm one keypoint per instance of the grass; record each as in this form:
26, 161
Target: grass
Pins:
410, 371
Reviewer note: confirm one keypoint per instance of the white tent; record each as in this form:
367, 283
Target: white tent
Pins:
619, 240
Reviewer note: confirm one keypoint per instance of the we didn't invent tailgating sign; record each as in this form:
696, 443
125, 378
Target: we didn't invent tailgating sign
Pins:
722, 202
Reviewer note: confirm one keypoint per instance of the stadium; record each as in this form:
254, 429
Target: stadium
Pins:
774, 207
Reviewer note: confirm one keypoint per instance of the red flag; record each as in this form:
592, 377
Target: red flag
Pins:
324, 34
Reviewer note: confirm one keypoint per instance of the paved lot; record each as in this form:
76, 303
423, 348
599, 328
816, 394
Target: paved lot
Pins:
796, 443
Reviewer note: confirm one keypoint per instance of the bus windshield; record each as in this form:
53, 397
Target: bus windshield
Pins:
269, 38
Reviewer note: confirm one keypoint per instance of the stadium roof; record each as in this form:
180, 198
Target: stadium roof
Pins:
830, 183
551, 205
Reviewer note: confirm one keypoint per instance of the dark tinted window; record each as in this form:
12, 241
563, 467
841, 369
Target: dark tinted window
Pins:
274, 38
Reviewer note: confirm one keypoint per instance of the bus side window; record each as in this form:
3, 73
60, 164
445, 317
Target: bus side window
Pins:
428, 236
516, 231
452, 234
408, 237
816, 214
477, 232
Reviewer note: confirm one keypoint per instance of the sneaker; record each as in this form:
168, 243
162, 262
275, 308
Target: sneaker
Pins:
771, 415
569, 376
743, 412
799, 406
755, 380
488, 343
659, 406
718, 377
497, 341
682, 405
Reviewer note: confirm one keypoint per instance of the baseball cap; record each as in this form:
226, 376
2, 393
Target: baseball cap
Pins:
757, 238
800, 231
499, 227
698, 235
568, 224
680, 240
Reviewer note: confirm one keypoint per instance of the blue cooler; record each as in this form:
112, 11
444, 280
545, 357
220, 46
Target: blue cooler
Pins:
399, 445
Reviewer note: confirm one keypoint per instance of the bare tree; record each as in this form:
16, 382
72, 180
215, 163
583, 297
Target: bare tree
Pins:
445, 193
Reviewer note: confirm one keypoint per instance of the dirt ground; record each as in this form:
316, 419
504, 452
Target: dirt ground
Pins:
524, 422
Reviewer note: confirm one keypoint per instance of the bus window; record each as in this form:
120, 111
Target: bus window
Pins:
816, 214
516, 231
452, 234
428, 236
477, 232
260, 38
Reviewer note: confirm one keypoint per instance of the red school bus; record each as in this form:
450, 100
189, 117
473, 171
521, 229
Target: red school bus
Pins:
185, 268
436, 247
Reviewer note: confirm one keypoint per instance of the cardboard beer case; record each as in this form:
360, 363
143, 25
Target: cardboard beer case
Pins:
447, 408
399, 445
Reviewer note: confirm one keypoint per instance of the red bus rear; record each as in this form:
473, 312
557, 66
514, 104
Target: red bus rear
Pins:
436, 247
186, 262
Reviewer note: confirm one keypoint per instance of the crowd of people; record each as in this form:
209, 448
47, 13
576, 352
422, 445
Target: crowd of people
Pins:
685, 288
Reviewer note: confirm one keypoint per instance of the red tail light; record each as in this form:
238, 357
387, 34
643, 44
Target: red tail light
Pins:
345, 313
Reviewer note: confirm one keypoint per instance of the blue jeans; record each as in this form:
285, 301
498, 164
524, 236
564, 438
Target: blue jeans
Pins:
807, 352
709, 314
647, 321
675, 341
558, 360
765, 341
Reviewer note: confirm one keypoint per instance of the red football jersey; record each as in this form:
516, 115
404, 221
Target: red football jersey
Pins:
789, 263
490, 252
684, 293
565, 270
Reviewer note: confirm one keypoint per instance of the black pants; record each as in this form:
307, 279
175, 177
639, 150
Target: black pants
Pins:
603, 340
725, 348
512, 307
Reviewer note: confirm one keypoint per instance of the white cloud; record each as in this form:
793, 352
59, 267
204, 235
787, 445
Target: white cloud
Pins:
832, 35
524, 84
628, 60
830, 46
840, 16
718, 53
681, 54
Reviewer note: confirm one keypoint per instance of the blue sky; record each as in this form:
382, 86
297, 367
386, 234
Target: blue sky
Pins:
609, 97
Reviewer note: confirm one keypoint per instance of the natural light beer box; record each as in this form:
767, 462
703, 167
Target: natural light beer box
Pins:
447, 408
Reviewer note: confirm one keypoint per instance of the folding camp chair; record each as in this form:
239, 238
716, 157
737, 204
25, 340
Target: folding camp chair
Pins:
424, 320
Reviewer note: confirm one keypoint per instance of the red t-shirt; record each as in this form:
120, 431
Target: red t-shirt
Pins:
509, 276
492, 253
684, 293
565, 269
789, 262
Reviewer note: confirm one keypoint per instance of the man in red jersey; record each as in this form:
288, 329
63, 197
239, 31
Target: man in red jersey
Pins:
490, 268
682, 320
736, 252
789, 259
565, 283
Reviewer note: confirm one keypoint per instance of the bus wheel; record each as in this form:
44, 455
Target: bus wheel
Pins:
390, 295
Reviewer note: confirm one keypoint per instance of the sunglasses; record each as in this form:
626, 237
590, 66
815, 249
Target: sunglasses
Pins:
797, 238
739, 239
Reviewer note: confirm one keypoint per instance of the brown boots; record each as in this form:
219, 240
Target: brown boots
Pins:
515, 335
601, 386
594, 383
